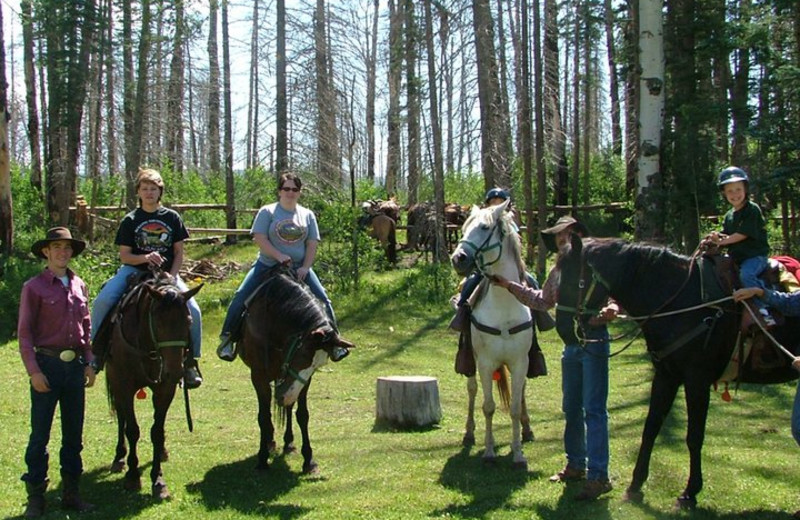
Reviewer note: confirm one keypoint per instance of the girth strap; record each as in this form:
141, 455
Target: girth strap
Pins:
497, 332
706, 325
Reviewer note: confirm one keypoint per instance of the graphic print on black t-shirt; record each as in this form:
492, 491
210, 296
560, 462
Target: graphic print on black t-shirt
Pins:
153, 235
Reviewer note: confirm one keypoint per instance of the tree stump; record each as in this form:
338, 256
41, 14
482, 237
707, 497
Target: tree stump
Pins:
407, 401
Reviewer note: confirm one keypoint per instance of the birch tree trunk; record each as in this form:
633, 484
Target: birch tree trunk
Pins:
395, 79
372, 74
281, 117
651, 118
412, 102
230, 200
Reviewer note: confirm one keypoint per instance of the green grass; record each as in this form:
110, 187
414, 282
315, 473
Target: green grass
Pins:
750, 458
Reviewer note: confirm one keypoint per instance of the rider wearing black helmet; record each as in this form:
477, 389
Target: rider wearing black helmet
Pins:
744, 233
461, 321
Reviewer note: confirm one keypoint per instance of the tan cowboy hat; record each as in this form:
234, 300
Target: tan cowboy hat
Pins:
58, 233
549, 234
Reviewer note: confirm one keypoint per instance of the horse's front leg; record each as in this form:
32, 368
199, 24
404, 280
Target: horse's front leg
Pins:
488, 413
309, 465
162, 399
267, 431
127, 420
697, 401
517, 394
118, 464
472, 391
288, 432
662, 395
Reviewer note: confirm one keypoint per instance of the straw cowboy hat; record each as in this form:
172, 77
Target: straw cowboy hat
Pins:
58, 233
549, 234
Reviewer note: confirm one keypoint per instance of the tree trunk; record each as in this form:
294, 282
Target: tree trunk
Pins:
327, 132
111, 117
438, 166
412, 102
174, 123
395, 79
6, 205
230, 200
649, 209
213, 88
740, 94
407, 401
372, 74
613, 86
133, 152
632, 99
495, 131
281, 110
34, 139
541, 167
523, 88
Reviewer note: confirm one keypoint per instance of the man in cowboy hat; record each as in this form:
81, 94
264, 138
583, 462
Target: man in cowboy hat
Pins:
53, 332
584, 376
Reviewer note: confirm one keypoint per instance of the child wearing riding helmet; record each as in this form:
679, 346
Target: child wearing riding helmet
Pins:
149, 237
461, 321
744, 233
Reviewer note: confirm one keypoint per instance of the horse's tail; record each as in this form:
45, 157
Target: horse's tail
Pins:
110, 395
391, 248
504, 386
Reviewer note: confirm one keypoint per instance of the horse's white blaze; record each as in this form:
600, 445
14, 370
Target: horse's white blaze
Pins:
291, 395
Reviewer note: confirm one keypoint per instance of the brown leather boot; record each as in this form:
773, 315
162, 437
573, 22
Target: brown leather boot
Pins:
460, 321
465, 359
70, 497
36, 504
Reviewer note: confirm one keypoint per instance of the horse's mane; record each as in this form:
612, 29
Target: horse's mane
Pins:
618, 261
292, 302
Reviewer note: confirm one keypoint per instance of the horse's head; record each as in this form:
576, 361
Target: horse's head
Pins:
581, 290
164, 326
484, 235
304, 357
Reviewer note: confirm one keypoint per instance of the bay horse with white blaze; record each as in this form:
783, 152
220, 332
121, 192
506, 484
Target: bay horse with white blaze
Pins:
490, 244
149, 338
287, 336
688, 322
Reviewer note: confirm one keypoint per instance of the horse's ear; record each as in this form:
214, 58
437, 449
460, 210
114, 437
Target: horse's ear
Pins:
191, 292
474, 209
500, 209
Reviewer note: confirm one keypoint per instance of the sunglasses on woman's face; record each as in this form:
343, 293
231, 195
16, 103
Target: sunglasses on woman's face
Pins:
285, 188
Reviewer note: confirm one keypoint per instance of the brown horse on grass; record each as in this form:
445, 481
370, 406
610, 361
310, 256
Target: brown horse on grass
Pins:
148, 341
287, 336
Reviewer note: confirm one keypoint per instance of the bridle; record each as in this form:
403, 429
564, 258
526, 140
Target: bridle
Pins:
479, 251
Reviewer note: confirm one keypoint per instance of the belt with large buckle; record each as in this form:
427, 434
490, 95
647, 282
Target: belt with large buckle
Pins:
66, 355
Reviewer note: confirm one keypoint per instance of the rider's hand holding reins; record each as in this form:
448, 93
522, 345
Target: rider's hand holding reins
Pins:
606, 314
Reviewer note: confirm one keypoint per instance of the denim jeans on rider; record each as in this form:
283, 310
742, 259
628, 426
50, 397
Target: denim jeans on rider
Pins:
749, 271
252, 280
584, 385
112, 291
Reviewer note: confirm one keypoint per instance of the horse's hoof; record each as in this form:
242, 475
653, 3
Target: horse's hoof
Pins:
311, 468
289, 448
527, 436
117, 466
165, 455
522, 464
633, 496
685, 502
468, 441
132, 484
159, 489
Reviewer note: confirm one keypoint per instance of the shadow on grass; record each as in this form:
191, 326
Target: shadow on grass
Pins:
239, 486
490, 486
568, 507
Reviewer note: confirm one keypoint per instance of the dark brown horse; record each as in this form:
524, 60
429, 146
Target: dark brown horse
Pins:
286, 337
148, 341
689, 324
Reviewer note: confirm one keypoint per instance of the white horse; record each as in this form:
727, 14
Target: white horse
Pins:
502, 328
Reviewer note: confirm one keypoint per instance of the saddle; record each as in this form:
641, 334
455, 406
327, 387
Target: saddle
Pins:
755, 358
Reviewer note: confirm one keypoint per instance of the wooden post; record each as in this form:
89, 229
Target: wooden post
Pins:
407, 401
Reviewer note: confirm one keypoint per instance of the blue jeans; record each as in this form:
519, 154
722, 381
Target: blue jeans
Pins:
253, 279
112, 291
584, 384
749, 270
67, 391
